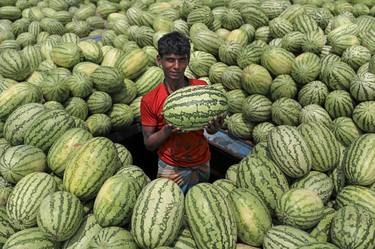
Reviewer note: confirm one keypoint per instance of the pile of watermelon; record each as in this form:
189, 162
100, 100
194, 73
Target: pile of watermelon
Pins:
297, 78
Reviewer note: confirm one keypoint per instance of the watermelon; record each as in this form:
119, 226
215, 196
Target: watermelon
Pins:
30, 238
285, 111
99, 124
315, 113
283, 86
306, 68
13, 65
277, 60
107, 79
256, 80
60, 215
286, 237
77, 107
66, 54
185, 240
318, 182
261, 130
238, 126
232, 77
113, 238
99, 102
47, 128
353, 227
100, 155
116, 199
248, 204
5, 190
225, 186
203, 103
261, 176
364, 116
20, 120
324, 147
314, 92
231, 173
359, 159
149, 80
339, 103
362, 197
134, 172
21, 160
166, 205
322, 229
235, 100
64, 147
257, 108
24, 201
200, 63
203, 221
300, 208
121, 116
289, 150
17, 95
345, 130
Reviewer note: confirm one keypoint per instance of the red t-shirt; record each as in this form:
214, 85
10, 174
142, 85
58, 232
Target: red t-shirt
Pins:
180, 149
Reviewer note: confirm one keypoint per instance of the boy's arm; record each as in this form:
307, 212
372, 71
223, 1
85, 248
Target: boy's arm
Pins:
154, 139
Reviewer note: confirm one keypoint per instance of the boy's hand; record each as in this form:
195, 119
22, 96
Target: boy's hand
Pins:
169, 129
215, 124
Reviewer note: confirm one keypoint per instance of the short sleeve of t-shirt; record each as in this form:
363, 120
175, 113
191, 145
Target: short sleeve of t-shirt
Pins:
147, 116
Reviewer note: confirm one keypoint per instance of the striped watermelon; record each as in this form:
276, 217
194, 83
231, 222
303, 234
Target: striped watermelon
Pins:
314, 92
238, 126
256, 80
6, 229
53, 105
20, 120
293, 41
135, 172
225, 186
359, 160
200, 63
17, 95
283, 86
235, 100
353, 227
231, 173
121, 116
66, 54
21, 160
64, 147
185, 240
277, 60
228, 52
113, 238
319, 245
203, 220
86, 68
216, 71
315, 113
47, 128
286, 237
362, 87
252, 216
30, 238
289, 151
5, 190
306, 68
338, 76
360, 196
322, 229
324, 147
249, 54
53, 87
305, 24
24, 201
356, 56
300, 208
60, 215
318, 182
163, 200
91, 51
79, 85
107, 79
132, 64
207, 41
99, 124
127, 94
364, 116
261, 130
339, 103
13, 65
279, 27
93, 163
33, 56
115, 201
149, 80
77, 107
345, 130
81, 239
200, 15
232, 78
257, 108
199, 103
285, 111
99, 102
261, 176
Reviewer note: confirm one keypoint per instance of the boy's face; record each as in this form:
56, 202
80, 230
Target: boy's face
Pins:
173, 65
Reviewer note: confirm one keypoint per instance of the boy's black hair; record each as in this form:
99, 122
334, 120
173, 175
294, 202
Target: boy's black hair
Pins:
174, 42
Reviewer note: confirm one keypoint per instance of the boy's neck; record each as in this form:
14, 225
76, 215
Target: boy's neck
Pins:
173, 85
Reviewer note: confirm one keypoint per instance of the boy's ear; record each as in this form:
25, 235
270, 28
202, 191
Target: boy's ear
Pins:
158, 59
